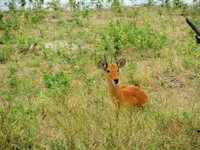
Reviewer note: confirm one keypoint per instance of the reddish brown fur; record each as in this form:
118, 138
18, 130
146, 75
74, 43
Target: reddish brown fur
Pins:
123, 94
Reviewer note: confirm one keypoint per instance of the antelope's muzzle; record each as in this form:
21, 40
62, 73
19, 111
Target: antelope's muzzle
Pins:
116, 81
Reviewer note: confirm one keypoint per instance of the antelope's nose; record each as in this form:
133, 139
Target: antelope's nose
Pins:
116, 81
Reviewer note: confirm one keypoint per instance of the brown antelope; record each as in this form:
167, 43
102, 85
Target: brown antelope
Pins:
121, 93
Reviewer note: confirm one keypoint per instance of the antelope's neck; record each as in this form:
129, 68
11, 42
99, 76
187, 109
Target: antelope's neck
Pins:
115, 91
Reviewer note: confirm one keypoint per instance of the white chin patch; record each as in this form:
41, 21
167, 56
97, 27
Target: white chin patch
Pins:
115, 84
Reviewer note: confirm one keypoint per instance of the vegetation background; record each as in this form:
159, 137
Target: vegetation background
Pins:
53, 96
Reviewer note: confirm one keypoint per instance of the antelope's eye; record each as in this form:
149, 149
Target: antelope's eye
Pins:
118, 70
108, 71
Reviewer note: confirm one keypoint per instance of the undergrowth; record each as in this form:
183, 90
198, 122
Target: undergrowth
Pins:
53, 96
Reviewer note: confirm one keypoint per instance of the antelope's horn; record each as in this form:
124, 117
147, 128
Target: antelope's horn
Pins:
115, 55
105, 58
193, 26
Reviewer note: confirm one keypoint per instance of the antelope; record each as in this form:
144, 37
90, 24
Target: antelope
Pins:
121, 94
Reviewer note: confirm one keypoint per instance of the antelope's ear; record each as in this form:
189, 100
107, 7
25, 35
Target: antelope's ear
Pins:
121, 63
103, 64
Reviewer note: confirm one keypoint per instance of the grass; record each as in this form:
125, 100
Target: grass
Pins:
53, 96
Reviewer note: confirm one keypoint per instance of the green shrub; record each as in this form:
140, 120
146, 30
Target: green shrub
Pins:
5, 55
58, 80
25, 43
121, 35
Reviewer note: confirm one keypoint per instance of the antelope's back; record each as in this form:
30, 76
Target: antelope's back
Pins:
134, 95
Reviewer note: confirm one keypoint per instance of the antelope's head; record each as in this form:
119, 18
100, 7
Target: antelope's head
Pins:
112, 70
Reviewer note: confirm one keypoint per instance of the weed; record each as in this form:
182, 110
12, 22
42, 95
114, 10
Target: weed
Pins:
116, 4
99, 4
38, 15
86, 12
73, 5
27, 43
55, 4
76, 18
59, 80
121, 35
52, 95
5, 55
13, 79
